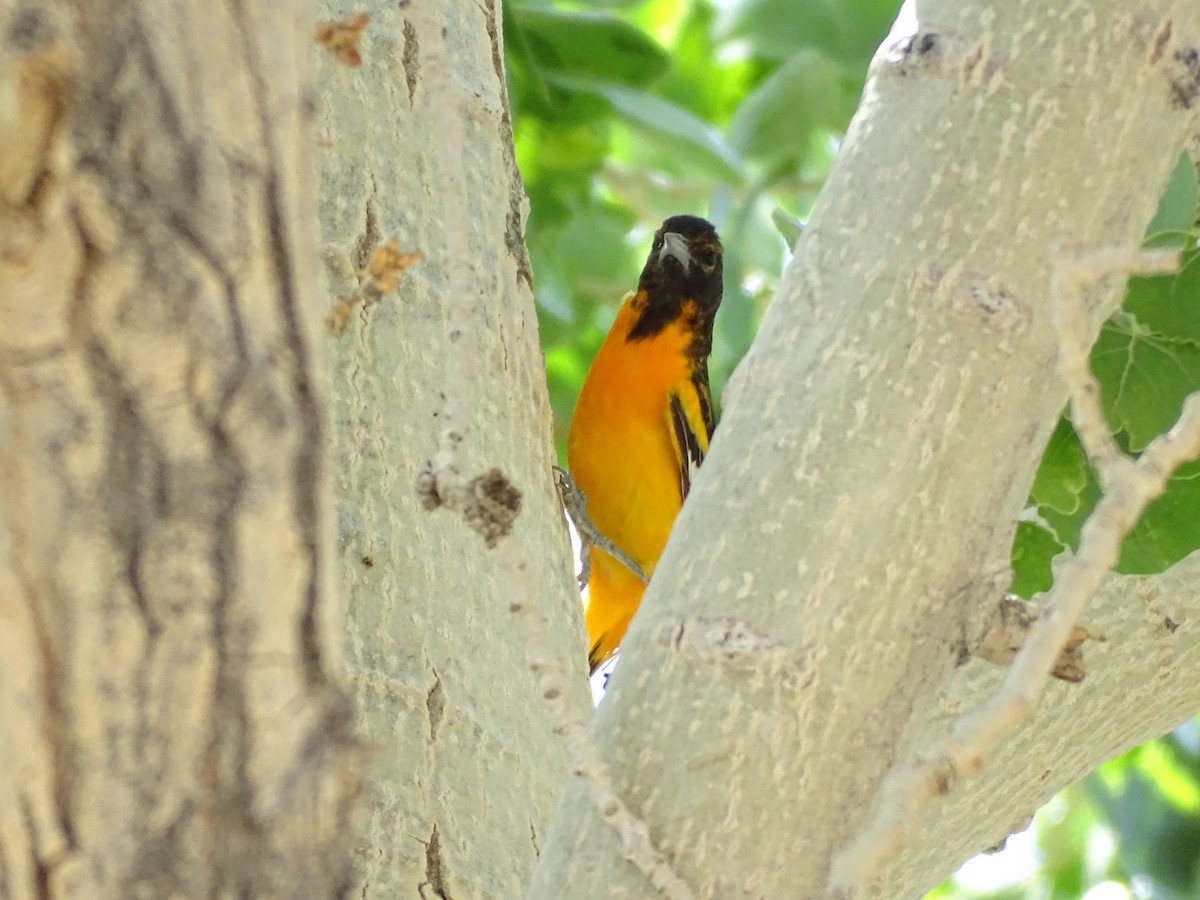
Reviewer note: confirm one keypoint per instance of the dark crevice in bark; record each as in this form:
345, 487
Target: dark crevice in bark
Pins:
435, 704
137, 469
173, 122
6, 886
230, 740
514, 230
411, 60
307, 465
370, 237
41, 868
434, 878
242, 838
325, 751
230, 790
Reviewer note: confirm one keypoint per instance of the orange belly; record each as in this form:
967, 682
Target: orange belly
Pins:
622, 456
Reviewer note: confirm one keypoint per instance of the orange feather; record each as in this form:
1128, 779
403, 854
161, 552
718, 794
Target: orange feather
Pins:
642, 422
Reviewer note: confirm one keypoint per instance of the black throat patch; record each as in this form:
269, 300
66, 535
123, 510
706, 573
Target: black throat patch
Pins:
667, 289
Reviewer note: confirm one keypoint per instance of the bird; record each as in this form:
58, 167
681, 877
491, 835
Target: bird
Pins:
644, 419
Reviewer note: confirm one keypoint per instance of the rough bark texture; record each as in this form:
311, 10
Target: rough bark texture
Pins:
1142, 681
854, 518
466, 769
172, 719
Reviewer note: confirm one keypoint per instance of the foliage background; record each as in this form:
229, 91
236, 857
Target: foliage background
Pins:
629, 111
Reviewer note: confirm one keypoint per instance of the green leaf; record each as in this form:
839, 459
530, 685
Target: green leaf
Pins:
1173, 224
1144, 378
590, 44
520, 63
775, 121
1063, 473
1147, 360
596, 256
848, 30
776, 28
1169, 304
1156, 840
668, 121
1168, 530
788, 225
1034, 548
577, 150
703, 79
1061, 839
1174, 781
552, 292
1066, 526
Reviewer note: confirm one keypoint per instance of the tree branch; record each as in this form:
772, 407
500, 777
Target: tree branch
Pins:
1129, 486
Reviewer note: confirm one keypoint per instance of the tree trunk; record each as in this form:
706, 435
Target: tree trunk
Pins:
852, 525
417, 146
170, 657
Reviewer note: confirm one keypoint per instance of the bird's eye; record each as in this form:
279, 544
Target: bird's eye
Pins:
707, 257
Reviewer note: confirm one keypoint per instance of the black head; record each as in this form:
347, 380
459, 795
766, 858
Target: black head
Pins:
684, 264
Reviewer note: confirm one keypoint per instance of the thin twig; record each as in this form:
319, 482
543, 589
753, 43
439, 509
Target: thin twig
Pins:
1077, 332
575, 503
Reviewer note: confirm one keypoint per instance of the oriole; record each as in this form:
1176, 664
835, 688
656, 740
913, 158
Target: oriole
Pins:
644, 418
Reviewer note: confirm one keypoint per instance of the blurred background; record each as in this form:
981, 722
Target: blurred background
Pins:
629, 111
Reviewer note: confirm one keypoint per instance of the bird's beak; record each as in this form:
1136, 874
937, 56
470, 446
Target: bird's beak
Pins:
674, 245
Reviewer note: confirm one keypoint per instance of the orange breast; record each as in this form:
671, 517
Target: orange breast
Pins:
621, 454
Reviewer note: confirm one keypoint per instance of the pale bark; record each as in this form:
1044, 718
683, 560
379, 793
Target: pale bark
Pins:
466, 767
852, 524
170, 665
